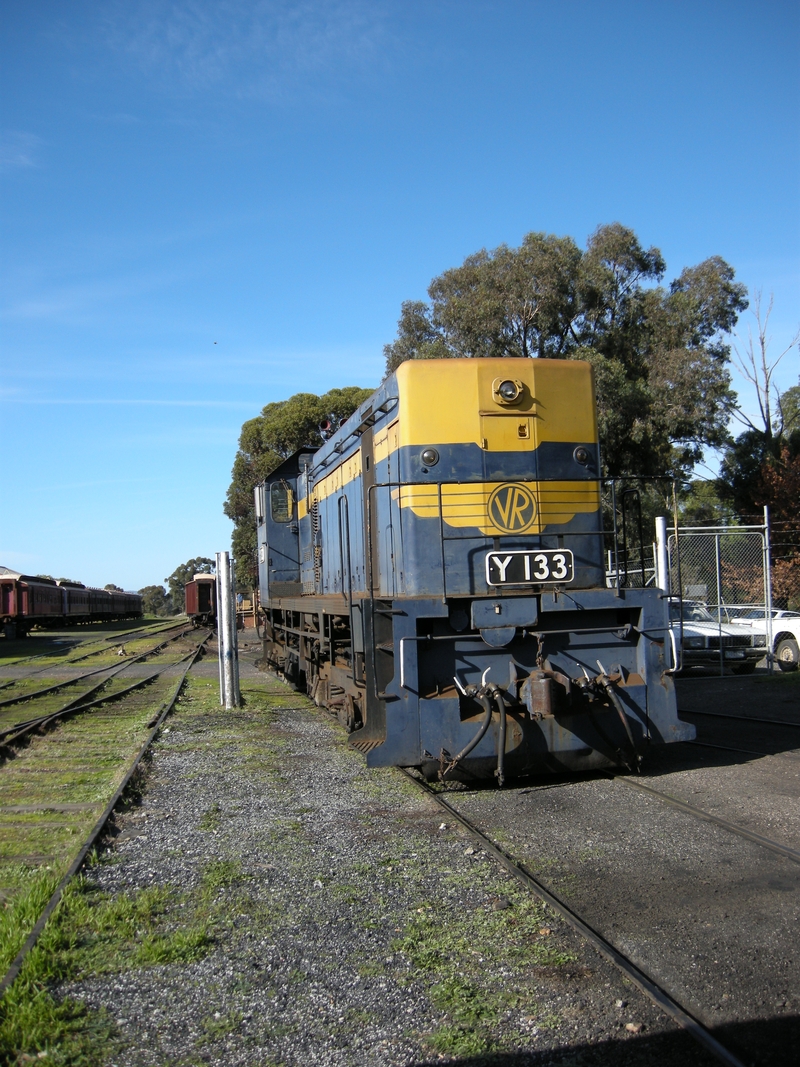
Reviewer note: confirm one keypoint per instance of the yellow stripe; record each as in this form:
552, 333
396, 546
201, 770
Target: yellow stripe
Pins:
557, 503
385, 441
331, 483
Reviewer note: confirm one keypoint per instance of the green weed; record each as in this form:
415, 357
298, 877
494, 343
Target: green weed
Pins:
219, 1025
212, 818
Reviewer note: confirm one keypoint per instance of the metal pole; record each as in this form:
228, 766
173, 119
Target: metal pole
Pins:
768, 589
662, 569
718, 576
219, 629
678, 571
227, 650
616, 533
234, 638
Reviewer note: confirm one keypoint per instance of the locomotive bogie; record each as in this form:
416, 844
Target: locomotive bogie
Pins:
434, 574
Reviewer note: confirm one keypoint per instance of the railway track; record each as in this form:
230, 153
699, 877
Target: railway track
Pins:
62, 655
755, 719
64, 785
656, 991
21, 730
638, 870
134, 638
106, 674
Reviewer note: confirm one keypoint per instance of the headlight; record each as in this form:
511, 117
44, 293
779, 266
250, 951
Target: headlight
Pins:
429, 457
694, 642
507, 390
760, 640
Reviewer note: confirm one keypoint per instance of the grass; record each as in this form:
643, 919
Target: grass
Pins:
212, 818
469, 956
91, 933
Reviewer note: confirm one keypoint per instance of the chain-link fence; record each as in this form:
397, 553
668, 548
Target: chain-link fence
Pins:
724, 568
734, 576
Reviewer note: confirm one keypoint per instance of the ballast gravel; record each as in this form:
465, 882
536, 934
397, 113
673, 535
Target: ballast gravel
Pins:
351, 923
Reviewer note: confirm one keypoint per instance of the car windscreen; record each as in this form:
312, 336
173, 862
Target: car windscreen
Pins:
692, 612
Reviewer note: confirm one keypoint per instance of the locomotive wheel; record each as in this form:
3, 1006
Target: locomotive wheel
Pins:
346, 713
787, 654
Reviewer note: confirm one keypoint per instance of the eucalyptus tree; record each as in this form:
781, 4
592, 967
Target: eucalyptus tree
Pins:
265, 441
660, 353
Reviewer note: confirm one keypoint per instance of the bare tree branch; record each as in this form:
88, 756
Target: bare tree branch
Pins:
758, 369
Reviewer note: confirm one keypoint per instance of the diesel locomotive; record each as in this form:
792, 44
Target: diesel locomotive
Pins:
434, 574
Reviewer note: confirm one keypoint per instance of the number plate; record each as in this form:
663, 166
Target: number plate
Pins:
531, 567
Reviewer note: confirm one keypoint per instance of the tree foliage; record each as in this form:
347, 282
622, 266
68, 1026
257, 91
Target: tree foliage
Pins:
268, 439
659, 353
701, 504
156, 600
113, 588
183, 574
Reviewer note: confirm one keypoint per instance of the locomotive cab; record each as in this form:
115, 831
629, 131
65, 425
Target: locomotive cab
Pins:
278, 529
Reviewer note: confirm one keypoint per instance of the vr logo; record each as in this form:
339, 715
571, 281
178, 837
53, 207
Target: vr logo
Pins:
512, 508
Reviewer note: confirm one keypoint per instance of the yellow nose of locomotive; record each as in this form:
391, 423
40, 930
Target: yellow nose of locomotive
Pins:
481, 417
500, 404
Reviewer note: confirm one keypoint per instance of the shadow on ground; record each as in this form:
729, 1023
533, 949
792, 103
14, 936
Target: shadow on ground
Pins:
762, 1043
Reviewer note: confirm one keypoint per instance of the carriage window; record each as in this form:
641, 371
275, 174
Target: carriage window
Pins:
281, 502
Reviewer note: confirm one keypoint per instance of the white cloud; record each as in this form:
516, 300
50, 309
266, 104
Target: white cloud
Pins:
269, 48
18, 150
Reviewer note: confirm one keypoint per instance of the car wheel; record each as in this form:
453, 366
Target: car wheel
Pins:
787, 654
744, 668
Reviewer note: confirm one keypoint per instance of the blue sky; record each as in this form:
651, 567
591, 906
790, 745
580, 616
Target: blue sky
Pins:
277, 177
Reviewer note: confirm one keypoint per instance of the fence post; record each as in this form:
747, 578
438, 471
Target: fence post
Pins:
718, 580
768, 589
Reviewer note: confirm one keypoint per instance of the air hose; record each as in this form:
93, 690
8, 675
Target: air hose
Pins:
501, 737
486, 703
611, 693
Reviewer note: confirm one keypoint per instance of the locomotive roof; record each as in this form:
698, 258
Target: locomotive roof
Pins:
291, 466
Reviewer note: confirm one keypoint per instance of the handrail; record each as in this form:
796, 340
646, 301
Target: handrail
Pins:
675, 659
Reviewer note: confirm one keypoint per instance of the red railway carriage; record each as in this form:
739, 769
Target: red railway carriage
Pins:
76, 599
201, 599
26, 601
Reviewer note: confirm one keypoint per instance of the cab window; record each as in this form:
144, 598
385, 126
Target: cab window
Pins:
281, 502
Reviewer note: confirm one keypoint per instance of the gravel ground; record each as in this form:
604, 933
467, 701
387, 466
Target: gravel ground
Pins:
350, 923
712, 916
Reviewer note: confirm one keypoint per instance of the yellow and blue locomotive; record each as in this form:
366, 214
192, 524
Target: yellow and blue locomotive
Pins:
434, 574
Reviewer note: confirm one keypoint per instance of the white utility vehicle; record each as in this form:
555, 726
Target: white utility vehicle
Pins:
785, 629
